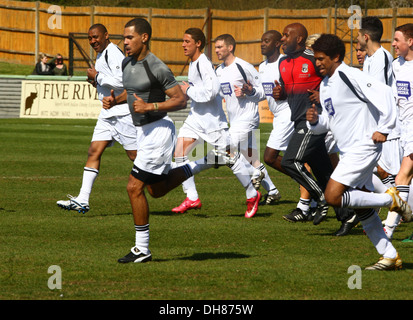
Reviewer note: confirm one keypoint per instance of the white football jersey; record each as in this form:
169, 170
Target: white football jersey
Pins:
402, 88
109, 65
204, 91
354, 118
269, 72
242, 111
379, 66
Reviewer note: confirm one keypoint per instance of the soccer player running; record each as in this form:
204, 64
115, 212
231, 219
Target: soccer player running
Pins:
298, 76
147, 81
206, 120
378, 64
283, 127
113, 124
359, 111
242, 90
403, 69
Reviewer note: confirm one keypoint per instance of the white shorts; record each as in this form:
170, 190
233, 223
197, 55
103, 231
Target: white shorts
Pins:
218, 138
116, 128
355, 169
391, 156
282, 130
406, 138
244, 138
155, 144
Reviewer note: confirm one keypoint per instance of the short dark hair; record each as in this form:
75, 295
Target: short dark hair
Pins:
98, 26
141, 26
197, 35
276, 34
406, 29
373, 27
228, 39
330, 45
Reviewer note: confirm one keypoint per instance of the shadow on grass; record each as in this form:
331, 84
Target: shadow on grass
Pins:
215, 255
407, 266
259, 214
167, 213
99, 215
208, 256
353, 232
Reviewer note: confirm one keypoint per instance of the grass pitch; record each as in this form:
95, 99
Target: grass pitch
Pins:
209, 254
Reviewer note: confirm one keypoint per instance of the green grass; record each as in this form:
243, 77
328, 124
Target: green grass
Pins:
7, 68
213, 253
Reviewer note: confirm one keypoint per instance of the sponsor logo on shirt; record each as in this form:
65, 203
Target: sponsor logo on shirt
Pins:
403, 89
268, 86
328, 104
226, 88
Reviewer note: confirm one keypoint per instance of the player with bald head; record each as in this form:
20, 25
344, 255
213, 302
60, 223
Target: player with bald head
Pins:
294, 36
297, 76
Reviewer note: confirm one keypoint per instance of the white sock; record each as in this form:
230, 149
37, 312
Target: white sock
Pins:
188, 185
190, 188
403, 192
389, 182
374, 230
199, 165
392, 221
354, 198
89, 177
267, 182
304, 205
379, 187
142, 238
241, 169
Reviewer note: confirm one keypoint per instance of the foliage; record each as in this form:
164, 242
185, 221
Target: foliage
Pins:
236, 4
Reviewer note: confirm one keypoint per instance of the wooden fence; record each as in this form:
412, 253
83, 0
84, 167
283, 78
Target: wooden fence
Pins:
27, 28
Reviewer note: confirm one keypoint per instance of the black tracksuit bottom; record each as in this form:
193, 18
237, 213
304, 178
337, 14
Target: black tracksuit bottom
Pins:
306, 147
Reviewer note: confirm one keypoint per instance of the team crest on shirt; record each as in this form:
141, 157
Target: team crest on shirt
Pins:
304, 68
328, 104
403, 89
226, 88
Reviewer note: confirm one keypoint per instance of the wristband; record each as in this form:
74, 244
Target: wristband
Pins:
156, 107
